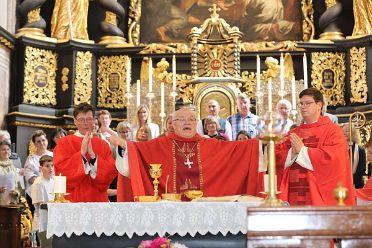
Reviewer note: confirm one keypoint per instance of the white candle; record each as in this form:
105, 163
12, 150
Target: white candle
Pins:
281, 71
128, 75
162, 97
59, 184
258, 76
138, 93
174, 81
270, 96
266, 183
304, 62
293, 92
150, 75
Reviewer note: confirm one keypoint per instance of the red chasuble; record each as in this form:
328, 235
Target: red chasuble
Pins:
366, 192
68, 161
328, 152
217, 167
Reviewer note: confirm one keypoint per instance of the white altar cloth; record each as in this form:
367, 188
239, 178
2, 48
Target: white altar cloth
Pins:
147, 218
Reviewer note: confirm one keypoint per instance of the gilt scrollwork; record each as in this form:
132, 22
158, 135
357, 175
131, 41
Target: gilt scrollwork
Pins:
358, 78
6, 43
185, 90
64, 79
112, 81
83, 81
328, 76
249, 84
308, 28
134, 22
40, 76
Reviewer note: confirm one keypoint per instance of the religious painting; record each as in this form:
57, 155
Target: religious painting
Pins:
41, 76
165, 21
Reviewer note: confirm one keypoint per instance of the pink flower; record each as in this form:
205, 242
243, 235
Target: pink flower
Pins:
145, 244
160, 243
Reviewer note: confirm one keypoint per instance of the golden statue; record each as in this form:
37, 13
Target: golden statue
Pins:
273, 67
160, 72
68, 13
362, 17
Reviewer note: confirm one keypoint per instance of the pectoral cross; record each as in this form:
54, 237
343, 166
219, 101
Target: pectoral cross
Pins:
188, 163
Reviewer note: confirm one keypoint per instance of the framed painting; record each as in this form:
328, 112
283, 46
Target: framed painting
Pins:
169, 21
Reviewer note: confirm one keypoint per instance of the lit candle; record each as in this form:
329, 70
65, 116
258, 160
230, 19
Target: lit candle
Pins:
138, 93
174, 81
281, 71
270, 96
293, 92
128, 75
304, 62
162, 97
150, 75
258, 76
60, 184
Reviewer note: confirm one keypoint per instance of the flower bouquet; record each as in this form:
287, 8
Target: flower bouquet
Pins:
160, 242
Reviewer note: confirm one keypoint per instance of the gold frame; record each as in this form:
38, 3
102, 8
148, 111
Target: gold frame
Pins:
358, 75
83, 77
134, 33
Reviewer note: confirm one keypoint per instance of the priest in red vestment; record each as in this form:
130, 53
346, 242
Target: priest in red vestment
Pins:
189, 161
365, 194
314, 159
86, 161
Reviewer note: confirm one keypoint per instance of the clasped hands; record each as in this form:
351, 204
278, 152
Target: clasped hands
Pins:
86, 146
296, 143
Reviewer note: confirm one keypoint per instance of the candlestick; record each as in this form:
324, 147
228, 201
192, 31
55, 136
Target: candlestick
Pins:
266, 183
150, 75
270, 96
304, 61
258, 76
281, 71
60, 184
293, 92
162, 97
128, 70
138, 93
174, 81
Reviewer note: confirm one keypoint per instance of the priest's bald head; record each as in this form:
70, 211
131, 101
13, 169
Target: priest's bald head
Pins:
184, 123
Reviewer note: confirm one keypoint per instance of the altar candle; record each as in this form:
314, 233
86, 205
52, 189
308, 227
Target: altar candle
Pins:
304, 62
258, 72
266, 183
174, 81
59, 184
128, 69
281, 71
293, 92
138, 93
270, 96
162, 97
150, 75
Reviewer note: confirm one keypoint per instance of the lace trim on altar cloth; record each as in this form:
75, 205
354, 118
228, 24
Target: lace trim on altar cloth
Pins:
148, 218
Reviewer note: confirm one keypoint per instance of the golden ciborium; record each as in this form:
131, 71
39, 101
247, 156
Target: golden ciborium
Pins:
155, 173
193, 194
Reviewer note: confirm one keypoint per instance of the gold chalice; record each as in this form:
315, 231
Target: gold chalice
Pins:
155, 172
171, 197
193, 194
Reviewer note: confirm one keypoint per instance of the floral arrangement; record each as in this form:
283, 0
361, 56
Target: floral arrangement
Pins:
160, 242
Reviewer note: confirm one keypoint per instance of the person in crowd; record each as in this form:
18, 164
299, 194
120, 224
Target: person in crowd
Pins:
213, 109
313, 159
104, 118
124, 130
85, 160
243, 135
4, 135
142, 114
168, 126
32, 166
212, 126
41, 193
359, 155
144, 133
190, 160
57, 134
96, 125
283, 107
244, 119
9, 194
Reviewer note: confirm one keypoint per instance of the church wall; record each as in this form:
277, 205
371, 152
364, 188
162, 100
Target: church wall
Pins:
4, 83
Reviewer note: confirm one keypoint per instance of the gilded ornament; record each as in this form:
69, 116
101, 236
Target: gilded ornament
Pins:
186, 90
328, 76
362, 17
111, 81
6, 43
134, 22
358, 77
30, 124
64, 79
40, 76
330, 3
83, 81
110, 18
33, 15
308, 28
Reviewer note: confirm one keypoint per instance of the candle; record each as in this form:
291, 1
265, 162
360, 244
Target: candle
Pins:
162, 97
128, 69
60, 184
266, 183
270, 96
150, 75
304, 62
293, 92
138, 93
258, 76
281, 71
174, 81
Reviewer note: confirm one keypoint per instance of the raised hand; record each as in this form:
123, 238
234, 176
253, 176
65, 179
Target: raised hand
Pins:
116, 140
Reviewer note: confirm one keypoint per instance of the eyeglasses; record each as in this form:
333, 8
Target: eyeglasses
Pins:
85, 120
305, 104
185, 120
